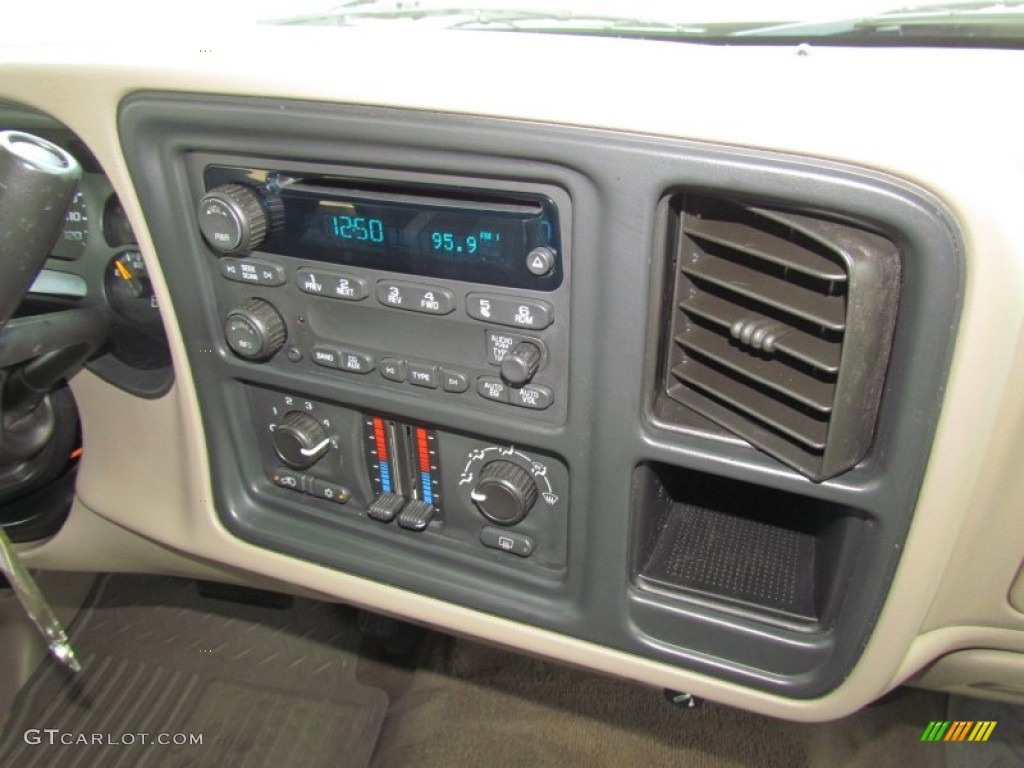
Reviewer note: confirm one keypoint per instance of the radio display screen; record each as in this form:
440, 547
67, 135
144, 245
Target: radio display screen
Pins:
480, 237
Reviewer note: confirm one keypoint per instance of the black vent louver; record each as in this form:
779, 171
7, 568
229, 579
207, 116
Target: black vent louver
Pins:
781, 329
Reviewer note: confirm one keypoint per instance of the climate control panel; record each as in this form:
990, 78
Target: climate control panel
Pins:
342, 466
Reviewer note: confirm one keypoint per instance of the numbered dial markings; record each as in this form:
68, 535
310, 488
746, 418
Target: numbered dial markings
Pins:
489, 481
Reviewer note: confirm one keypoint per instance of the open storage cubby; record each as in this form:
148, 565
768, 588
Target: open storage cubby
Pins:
770, 554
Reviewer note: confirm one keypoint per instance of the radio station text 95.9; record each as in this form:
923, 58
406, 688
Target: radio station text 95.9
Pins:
55, 737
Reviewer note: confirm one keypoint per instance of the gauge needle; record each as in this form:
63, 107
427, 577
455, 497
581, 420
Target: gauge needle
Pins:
127, 276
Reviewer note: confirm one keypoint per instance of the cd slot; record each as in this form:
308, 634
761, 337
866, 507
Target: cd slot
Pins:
339, 191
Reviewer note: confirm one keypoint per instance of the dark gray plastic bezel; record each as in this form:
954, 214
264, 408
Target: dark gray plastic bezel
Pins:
618, 185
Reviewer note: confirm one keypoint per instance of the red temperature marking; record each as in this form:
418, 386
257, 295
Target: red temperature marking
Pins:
423, 450
382, 443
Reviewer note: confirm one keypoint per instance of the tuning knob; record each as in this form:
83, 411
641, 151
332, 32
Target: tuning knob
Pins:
521, 363
505, 493
300, 440
234, 218
255, 330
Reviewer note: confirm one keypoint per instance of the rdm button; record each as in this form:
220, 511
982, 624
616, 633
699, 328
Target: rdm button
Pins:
510, 311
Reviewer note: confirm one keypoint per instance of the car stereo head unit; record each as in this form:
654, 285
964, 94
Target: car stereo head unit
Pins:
506, 239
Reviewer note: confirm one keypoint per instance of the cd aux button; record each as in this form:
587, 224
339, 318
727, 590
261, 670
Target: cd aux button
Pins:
415, 298
510, 310
355, 362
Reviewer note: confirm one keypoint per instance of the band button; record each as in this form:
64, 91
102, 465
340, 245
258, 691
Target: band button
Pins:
325, 356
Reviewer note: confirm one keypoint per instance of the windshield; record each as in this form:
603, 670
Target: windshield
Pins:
854, 22
978, 23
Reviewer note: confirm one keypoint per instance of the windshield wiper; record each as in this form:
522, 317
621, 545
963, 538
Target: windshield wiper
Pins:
974, 18
974, 22
512, 19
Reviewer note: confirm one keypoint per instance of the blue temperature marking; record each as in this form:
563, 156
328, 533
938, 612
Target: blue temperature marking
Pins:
428, 494
385, 477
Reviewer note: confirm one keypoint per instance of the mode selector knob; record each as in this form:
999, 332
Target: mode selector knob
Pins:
521, 363
234, 218
300, 440
505, 493
255, 330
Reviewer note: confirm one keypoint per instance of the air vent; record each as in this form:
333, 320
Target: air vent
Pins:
781, 328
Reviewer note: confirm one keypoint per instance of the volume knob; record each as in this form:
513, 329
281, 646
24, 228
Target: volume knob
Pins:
505, 493
255, 330
234, 218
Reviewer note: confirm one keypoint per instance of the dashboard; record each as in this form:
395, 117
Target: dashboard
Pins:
697, 370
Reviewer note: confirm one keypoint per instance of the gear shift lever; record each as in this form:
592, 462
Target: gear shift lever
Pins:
37, 180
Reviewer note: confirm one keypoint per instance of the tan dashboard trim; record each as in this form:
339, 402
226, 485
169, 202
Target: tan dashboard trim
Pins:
867, 107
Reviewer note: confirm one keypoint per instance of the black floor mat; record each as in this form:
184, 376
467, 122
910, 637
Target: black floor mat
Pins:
260, 686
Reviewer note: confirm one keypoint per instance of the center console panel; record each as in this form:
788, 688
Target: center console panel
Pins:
430, 351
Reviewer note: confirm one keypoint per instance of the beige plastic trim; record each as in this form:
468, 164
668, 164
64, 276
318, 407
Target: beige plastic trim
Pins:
988, 674
947, 120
